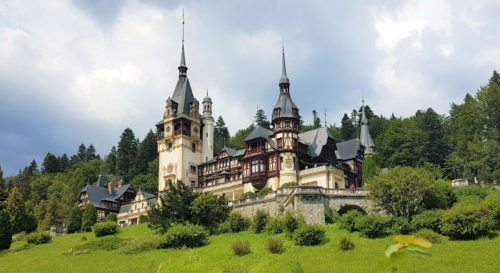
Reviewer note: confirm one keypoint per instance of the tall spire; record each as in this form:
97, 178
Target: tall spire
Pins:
284, 81
365, 137
182, 67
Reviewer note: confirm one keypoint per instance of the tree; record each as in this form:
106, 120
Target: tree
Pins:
495, 78
14, 206
238, 140
401, 190
209, 210
347, 130
82, 153
175, 207
5, 230
89, 217
261, 120
371, 167
50, 164
33, 168
110, 162
146, 182
74, 220
316, 120
148, 151
126, 155
3, 189
435, 146
63, 162
90, 153
221, 134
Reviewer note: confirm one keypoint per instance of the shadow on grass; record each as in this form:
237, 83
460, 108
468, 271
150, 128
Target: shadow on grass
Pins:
105, 243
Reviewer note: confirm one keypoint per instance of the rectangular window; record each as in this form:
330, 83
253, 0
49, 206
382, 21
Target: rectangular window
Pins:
170, 147
193, 148
193, 169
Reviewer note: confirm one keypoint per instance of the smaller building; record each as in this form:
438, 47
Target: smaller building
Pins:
461, 182
130, 213
106, 196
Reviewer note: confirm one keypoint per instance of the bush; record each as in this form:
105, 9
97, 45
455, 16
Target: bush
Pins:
373, 225
143, 219
429, 219
348, 220
263, 192
430, 235
260, 221
112, 217
187, 235
238, 222
275, 246
38, 238
289, 185
241, 248
291, 223
275, 226
492, 202
440, 196
346, 244
465, 222
473, 190
331, 217
309, 236
89, 217
223, 227
5, 230
248, 195
401, 225
105, 229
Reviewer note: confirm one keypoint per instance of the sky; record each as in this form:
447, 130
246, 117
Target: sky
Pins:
82, 71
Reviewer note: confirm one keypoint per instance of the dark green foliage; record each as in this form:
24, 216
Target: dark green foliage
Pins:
429, 235
238, 222
38, 238
126, 155
63, 162
480, 192
275, 226
50, 164
241, 248
89, 217
429, 219
261, 120
105, 228
346, 208
275, 246
309, 236
348, 220
74, 220
373, 225
466, 222
401, 225
248, 195
90, 153
143, 219
223, 227
238, 140
316, 120
15, 207
110, 162
3, 189
146, 182
82, 152
401, 190
221, 134
434, 142
440, 196
186, 235
112, 217
492, 202
331, 217
209, 210
495, 78
346, 244
175, 207
347, 130
291, 223
5, 230
371, 167
260, 220
147, 152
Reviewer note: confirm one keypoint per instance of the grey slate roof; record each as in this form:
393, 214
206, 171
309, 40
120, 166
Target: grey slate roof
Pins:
347, 150
98, 194
315, 140
284, 77
286, 106
240, 152
259, 132
183, 95
229, 151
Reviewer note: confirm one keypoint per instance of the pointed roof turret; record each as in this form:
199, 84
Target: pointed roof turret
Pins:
285, 108
365, 137
284, 77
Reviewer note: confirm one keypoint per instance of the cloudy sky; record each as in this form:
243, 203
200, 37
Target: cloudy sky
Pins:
81, 71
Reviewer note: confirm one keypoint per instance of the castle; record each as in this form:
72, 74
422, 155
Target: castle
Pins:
271, 158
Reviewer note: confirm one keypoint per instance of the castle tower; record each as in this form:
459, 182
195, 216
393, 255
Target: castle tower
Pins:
365, 137
285, 121
179, 133
208, 130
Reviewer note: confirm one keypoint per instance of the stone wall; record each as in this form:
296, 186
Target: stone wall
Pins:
308, 201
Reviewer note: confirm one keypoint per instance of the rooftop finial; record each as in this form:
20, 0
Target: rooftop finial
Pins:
284, 78
362, 98
182, 66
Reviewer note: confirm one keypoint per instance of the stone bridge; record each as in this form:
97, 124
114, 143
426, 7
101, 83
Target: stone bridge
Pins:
309, 201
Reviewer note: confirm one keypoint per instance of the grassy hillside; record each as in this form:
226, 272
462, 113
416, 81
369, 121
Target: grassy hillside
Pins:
72, 254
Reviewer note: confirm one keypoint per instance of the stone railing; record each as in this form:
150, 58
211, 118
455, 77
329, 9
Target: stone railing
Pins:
268, 197
346, 192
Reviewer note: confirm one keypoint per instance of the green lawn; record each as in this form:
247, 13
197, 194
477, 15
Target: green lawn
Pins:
368, 256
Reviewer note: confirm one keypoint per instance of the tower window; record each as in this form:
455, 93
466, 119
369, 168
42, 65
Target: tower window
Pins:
170, 147
193, 148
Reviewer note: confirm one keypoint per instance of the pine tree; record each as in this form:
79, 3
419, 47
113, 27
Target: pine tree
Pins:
110, 162
82, 152
50, 164
74, 220
3, 189
33, 168
14, 205
126, 155
495, 78
89, 217
147, 152
90, 153
435, 144
63, 163
347, 130
221, 134
261, 120
5, 230
316, 120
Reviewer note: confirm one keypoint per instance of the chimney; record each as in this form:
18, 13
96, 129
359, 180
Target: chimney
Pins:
110, 187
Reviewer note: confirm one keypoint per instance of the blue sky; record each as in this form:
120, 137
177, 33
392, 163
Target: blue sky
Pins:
80, 71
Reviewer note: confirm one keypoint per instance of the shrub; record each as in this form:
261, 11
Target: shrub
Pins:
89, 217
275, 226
440, 196
429, 219
289, 185
275, 246
264, 191
74, 220
291, 223
248, 195
5, 230
143, 219
187, 235
238, 222
492, 201
38, 238
373, 225
309, 236
346, 244
209, 210
20, 237
241, 248
401, 225
112, 217
430, 235
465, 222
260, 220
348, 220
223, 227
472, 190
331, 217
105, 229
